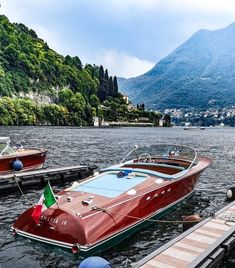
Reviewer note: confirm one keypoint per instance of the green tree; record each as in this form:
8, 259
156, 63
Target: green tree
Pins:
167, 120
94, 101
115, 86
111, 87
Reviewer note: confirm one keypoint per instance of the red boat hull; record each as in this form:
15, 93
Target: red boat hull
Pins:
30, 159
99, 224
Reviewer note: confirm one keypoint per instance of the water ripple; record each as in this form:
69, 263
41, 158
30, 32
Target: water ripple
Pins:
71, 146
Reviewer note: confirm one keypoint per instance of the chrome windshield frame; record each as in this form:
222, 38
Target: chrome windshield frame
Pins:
168, 146
6, 141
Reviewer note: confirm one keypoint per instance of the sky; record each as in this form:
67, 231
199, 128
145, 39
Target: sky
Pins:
128, 37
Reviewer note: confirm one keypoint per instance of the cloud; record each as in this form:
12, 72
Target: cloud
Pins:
125, 36
19, 7
206, 6
209, 6
120, 64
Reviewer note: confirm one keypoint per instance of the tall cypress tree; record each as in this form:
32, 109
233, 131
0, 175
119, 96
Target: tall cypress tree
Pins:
115, 86
111, 89
102, 91
106, 81
106, 75
101, 73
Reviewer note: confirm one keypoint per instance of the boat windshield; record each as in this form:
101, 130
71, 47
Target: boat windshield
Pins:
5, 148
163, 151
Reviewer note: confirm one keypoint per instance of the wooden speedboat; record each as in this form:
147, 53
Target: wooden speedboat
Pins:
99, 212
19, 158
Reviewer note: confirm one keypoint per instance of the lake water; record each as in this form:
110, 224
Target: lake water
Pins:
72, 146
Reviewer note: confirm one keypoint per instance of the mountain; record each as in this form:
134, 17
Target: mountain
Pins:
200, 74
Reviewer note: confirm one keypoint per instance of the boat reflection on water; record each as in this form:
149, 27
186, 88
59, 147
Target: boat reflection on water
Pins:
96, 214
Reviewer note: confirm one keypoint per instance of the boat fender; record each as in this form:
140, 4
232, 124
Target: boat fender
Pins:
17, 165
231, 193
190, 221
94, 261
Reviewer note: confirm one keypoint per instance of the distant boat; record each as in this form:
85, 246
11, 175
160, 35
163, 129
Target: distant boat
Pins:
98, 213
194, 128
19, 158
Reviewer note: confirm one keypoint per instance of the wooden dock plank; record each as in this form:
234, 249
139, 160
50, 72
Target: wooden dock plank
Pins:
154, 263
187, 249
189, 246
42, 171
195, 245
218, 226
207, 233
201, 238
26, 179
173, 261
181, 254
212, 230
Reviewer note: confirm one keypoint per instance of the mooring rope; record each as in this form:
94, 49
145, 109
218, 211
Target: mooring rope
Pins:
117, 213
17, 183
139, 218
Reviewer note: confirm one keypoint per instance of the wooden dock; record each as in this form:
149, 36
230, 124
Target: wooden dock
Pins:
203, 245
28, 179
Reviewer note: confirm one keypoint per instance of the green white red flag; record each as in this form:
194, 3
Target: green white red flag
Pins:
46, 200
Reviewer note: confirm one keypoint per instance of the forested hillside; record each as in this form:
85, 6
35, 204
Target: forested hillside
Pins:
40, 86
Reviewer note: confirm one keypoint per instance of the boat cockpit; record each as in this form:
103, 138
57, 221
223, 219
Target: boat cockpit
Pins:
139, 165
166, 161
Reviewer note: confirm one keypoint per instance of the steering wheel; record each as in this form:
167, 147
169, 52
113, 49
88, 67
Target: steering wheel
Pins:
145, 157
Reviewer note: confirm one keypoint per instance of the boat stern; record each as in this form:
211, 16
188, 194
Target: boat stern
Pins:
55, 226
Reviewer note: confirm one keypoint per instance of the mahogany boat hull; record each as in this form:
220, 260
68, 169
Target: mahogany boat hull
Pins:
104, 226
30, 159
102, 245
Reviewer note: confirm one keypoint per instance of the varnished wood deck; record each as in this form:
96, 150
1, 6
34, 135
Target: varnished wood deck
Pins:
200, 246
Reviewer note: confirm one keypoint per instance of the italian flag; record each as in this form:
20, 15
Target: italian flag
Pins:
46, 200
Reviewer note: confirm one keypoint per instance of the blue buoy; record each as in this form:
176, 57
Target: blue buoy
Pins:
17, 165
94, 262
